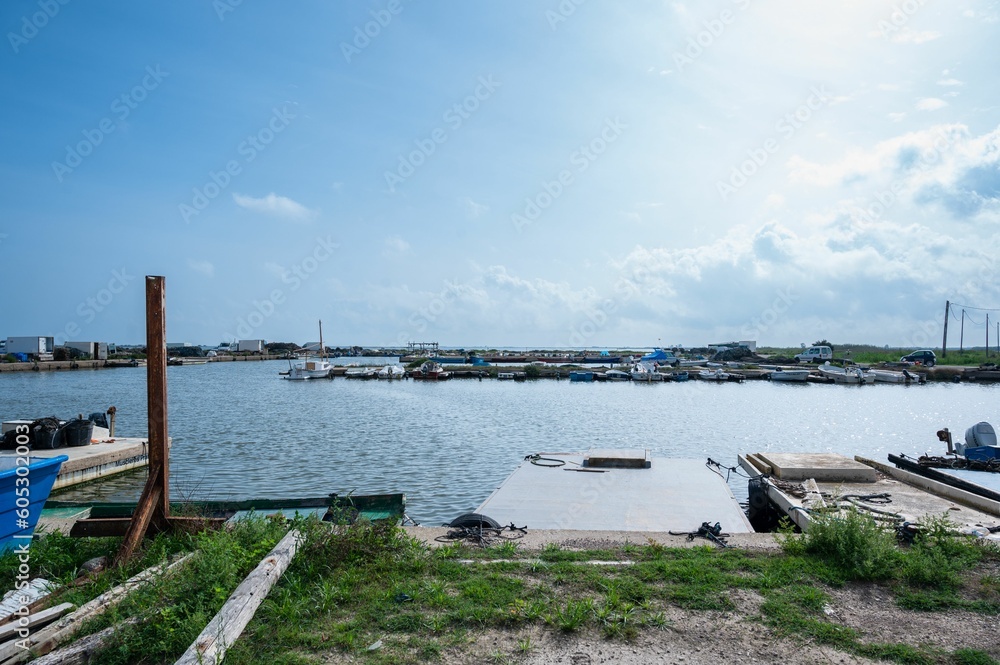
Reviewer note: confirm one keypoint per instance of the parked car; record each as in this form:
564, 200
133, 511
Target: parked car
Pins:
815, 354
925, 357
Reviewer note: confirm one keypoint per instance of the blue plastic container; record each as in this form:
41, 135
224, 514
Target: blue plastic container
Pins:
41, 475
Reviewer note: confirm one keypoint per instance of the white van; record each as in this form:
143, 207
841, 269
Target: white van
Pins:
815, 354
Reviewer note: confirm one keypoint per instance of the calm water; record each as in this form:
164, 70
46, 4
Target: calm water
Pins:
239, 431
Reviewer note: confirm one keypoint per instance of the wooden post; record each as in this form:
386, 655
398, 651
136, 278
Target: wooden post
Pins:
944, 342
961, 335
154, 504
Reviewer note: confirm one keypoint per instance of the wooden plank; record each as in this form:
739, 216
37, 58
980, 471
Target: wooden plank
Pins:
226, 627
148, 507
80, 652
35, 620
47, 639
110, 527
156, 389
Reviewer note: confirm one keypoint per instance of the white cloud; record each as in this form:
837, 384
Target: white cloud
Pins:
272, 204
931, 104
395, 246
204, 267
896, 117
950, 82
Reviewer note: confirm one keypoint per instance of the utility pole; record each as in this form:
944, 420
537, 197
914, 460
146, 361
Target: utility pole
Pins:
961, 335
987, 334
944, 342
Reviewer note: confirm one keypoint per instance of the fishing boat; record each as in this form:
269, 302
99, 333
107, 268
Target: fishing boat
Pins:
179, 362
782, 374
713, 375
617, 375
311, 368
361, 373
392, 372
581, 375
681, 376
15, 528
430, 371
646, 372
661, 357
850, 375
892, 376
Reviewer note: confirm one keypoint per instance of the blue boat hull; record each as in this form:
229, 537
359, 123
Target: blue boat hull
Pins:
24, 491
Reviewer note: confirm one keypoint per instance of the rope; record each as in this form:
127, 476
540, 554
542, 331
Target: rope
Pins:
991, 465
729, 469
555, 463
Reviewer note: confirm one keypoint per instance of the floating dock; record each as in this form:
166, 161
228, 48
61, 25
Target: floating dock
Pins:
614, 490
105, 456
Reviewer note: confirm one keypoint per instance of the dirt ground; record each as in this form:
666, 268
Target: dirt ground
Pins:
737, 636
711, 638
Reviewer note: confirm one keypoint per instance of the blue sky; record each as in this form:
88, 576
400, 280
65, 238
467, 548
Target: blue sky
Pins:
499, 174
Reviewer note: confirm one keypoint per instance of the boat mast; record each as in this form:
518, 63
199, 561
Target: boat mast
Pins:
322, 348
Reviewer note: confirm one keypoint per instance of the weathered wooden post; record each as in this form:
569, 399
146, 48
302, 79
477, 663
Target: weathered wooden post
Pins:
154, 504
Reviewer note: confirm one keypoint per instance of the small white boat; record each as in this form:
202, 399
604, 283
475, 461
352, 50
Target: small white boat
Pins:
617, 375
890, 376
713, 375
850, 375
645, 372
505, 376
782, 374
391, 372
362, 373
311, 368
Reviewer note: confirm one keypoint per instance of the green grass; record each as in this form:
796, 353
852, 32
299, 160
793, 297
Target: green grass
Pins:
352, 587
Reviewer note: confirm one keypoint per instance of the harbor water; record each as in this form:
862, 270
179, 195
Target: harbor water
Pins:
239, 431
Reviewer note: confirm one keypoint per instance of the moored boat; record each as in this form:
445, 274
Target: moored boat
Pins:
430, 371
19, 512
713, 375
617, 375
849, 375
311, 368
392, 372
581, 375
646, 372
892, 376
782, 374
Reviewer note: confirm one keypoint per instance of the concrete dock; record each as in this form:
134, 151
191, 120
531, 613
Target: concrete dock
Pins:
614, 491
801, 484
98, 460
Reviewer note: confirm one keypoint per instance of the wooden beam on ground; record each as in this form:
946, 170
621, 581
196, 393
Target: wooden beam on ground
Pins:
81, 651
35, 620
52, 636
224, 629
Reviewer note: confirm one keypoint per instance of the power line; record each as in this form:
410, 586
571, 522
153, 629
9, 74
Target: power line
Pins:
981, 309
